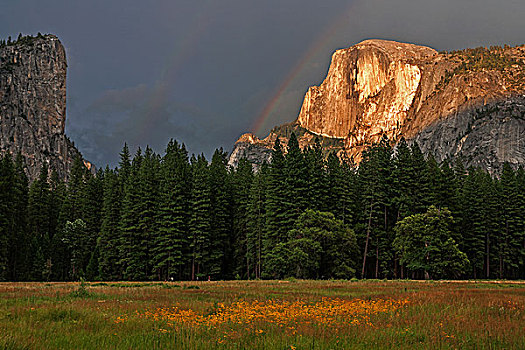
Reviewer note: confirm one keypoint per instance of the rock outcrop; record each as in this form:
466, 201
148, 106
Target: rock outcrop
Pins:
465, 103
33, 104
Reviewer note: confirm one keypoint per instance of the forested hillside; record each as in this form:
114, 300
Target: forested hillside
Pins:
157, 217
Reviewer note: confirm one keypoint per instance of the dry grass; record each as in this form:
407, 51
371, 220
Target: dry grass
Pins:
263, 315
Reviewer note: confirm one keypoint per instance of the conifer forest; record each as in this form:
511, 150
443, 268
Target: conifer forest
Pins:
173, 216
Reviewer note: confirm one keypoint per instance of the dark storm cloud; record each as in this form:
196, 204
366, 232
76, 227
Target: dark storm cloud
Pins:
202, 71
131, 120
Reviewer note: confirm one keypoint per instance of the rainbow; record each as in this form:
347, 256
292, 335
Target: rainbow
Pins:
318, 45
158, 96
156, 99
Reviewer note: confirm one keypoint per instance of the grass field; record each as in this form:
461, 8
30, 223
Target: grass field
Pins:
263, 315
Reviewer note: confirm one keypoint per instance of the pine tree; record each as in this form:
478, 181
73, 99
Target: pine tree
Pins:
276, 214
509, 237
131, 249
148, 186
173, 213
7, 181
473, 236
73, 236
112, 245
256, 219
337, 188
124, 169
492, 221
435, 181
317, 190
38, 222
242, 179
404, 181
480, 222
295, 195
220, 255
108, 242
55, 266
18, 266
520, 219
71, 266
375, 175
447, 188
200, 225
421, 191
72, 206
343, 195
91, 208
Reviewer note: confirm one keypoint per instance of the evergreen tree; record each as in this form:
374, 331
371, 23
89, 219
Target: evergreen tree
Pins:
19, 269
343, 192
509, 236
92, 202
256, 219
220, 255
435, 182
295, 195
108, 241
38, 211
124, 169
200, 225
7, 181
55, 266
375, 175
276, 213
403, 181
520, 220
447, 188
148, 186
242, 179
71, 266
173, 213
480, 222
73, 201
131, 249
421, 191
111, 242
74, 234
317, 190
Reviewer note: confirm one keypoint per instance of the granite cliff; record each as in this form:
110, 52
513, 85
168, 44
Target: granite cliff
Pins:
467, 103
33, 103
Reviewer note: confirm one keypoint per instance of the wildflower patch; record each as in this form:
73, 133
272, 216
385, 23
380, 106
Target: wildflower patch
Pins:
284, 314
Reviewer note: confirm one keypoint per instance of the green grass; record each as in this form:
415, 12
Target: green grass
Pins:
107, 315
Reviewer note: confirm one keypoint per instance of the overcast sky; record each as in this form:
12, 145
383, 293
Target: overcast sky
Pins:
204, 71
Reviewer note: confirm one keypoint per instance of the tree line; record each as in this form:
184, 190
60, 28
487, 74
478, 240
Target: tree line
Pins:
22, 39
398, 214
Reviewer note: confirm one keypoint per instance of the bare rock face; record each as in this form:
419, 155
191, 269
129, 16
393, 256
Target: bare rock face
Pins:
486, 137
33, 104
369, 87
250, 147
380, 87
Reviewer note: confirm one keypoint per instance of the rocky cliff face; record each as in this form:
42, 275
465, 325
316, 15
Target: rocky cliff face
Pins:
463, 103
33, 104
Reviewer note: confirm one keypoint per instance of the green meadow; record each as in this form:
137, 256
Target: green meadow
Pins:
291, 314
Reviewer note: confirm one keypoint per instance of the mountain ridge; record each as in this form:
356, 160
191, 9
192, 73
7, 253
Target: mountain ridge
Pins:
380, 87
